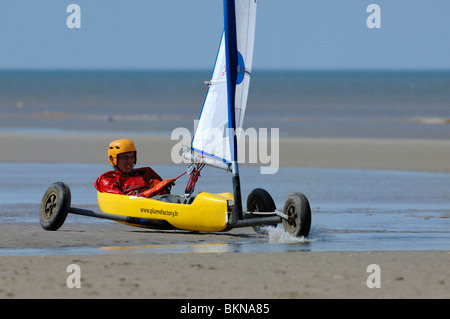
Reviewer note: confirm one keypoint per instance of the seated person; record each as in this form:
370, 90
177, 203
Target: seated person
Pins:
126, 180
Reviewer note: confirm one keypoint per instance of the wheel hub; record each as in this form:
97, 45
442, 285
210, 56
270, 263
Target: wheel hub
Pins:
292, 217
50, 205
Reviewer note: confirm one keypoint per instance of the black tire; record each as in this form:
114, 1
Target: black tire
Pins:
55, 206
298, 211
259, 200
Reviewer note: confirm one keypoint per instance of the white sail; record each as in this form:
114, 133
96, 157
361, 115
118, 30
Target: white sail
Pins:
245, 26
211, 137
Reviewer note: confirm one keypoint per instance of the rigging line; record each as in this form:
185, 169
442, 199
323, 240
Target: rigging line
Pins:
195, 174
180, 175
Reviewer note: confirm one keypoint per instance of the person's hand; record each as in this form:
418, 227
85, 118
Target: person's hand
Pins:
167, 183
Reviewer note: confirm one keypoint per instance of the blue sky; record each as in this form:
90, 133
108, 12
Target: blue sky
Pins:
184, 34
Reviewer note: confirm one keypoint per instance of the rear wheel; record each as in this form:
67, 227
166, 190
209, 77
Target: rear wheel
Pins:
298, 211
55, 206
259, 200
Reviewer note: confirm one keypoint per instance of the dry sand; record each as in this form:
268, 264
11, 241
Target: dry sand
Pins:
230, 275
352, 153
408, 274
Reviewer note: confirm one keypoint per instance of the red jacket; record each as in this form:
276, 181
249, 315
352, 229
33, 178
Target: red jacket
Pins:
138, 180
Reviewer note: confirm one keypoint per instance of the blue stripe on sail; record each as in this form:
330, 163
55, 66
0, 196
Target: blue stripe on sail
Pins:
241, 69
231, 62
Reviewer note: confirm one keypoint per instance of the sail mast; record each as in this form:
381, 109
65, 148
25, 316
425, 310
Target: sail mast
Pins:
232, 70
224, 106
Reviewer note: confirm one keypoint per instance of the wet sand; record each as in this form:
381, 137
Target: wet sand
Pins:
404, 274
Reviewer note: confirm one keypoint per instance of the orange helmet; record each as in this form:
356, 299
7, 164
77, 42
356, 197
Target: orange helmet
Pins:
118, 147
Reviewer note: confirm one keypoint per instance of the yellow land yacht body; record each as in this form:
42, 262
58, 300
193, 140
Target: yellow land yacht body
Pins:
208, 212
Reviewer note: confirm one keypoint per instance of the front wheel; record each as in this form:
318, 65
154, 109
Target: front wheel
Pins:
298, 213
55, 206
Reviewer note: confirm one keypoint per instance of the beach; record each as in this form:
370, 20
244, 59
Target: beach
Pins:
216, 273
370, 150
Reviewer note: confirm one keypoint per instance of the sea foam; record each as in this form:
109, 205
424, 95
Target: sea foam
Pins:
279, 236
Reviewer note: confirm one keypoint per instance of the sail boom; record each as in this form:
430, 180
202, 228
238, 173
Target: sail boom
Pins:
207, 161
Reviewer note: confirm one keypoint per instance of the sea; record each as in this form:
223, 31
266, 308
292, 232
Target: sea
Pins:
299, 103
353, 210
